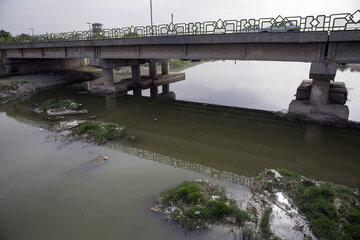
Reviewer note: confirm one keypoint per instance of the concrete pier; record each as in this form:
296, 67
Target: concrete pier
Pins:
318, 106
165, 67
108, 77
152, 69
135, 72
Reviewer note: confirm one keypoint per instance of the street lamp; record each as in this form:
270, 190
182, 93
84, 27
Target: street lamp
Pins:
89, 25
151, 12
32, 30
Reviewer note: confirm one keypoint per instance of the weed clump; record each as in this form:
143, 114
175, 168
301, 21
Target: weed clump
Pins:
98, 132
333, 211
194, 205
58, 104
265, 224
11, 86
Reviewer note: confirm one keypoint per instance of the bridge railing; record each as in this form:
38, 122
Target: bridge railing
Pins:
333, 22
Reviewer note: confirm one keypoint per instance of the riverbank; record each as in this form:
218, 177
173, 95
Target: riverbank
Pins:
13, 87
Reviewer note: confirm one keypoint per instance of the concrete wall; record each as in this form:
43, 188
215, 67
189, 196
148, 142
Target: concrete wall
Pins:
39, 65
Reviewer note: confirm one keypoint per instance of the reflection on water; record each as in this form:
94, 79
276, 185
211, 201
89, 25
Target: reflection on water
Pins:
230, 139
175, 141
209, 172
254, 84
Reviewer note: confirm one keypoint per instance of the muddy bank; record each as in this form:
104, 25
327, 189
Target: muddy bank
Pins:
15, 87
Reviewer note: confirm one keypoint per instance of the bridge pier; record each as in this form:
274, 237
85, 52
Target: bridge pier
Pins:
318, 106
152, 69
165, 67
165, 71
108, 77
136, 76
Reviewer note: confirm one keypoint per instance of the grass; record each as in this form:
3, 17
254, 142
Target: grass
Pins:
2, 99
176, 64
265, 224
100, 133
58, 104
333, 211
196, 208
287, 173
11, 86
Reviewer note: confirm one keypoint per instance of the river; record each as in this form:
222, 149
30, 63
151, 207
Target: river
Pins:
41, 197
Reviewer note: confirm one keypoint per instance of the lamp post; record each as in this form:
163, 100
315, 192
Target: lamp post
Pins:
89, 25
151, 12
32, 30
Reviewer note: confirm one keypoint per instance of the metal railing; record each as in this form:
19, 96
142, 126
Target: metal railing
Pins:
333, 22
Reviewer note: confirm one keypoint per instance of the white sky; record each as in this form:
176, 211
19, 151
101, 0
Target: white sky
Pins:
17, 16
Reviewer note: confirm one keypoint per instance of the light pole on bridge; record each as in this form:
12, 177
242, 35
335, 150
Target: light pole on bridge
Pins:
32, 30
151, 12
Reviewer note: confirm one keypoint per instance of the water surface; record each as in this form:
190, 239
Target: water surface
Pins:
41, 197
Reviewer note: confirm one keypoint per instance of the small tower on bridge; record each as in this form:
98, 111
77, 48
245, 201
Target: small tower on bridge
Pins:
96, 27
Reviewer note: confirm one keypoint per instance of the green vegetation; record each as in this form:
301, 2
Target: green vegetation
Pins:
287, 173
6, 37
131, 34
265, 224
176, 64
59, 104
2, 99
98, 132
333, 211
199, 203
11, 86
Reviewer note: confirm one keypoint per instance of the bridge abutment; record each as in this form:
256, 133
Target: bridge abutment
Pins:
321, 98
29, 65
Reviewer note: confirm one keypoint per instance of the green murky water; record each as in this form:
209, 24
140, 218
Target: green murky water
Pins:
42, 198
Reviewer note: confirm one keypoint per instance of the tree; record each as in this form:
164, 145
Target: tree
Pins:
4, 34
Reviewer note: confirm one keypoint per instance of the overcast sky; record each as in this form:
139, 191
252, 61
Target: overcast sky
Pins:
17, 16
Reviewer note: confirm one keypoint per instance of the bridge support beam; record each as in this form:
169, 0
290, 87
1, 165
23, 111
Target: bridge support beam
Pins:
152, 69
135, 72
108, 77
165, 67
318, 106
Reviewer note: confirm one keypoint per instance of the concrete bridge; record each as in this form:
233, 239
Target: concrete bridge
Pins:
323, 49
